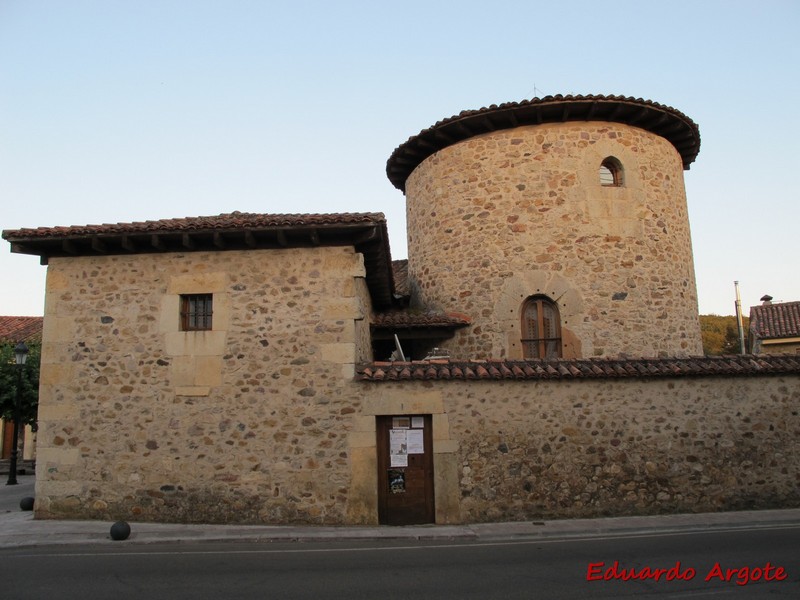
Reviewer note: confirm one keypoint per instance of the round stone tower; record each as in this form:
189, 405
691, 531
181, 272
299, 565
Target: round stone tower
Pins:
558, 225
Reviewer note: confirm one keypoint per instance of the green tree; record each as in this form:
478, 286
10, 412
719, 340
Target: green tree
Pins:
9, 377
730, 344
721, 334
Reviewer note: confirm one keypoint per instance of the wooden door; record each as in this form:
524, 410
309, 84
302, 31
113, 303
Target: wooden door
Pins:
8, 438
405, 470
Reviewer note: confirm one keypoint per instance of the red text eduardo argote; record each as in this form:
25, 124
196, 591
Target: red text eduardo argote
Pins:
600, 571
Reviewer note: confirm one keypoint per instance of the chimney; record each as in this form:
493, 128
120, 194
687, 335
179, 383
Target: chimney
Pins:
766, 300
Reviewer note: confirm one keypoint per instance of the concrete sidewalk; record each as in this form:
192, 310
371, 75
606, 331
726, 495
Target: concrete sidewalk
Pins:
19, 529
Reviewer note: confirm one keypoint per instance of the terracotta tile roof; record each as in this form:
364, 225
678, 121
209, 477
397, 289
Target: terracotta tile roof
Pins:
366, 232
20, 329
501, 370
773, 321
400, 319
665, 121
234, 220
400, 269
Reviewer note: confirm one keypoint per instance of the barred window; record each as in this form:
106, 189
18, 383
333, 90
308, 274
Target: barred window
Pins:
541, 328
196, 310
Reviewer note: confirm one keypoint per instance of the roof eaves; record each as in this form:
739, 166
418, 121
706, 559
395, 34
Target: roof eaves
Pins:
659, 119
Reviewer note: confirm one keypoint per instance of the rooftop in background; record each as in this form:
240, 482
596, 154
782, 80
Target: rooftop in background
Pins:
21, 329
775, 321
661, 120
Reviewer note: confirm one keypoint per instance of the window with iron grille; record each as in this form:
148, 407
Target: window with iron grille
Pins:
541, 328
196, 310
610, 172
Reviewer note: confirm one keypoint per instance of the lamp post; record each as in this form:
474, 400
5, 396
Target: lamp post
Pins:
20, 356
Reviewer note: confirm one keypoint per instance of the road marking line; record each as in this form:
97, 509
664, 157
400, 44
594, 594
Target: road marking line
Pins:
526, 542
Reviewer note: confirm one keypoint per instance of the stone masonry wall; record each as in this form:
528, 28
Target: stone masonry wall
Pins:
558, 449
249, 422
502, 216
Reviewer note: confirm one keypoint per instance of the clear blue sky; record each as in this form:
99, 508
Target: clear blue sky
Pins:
123, 110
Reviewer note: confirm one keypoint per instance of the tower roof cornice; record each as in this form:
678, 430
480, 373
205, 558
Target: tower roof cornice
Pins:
665, 121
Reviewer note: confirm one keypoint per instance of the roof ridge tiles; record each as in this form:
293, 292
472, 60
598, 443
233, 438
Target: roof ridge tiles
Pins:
232, 220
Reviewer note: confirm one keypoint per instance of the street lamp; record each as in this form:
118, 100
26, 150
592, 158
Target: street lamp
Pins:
20, 356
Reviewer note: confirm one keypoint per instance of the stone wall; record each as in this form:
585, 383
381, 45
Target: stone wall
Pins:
248, 422
502, 216
260, 419
568, 449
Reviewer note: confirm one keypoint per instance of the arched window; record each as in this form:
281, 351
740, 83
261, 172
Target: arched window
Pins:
611, 172
541, 328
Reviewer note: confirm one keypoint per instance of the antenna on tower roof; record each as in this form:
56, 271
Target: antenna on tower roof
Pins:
535, 91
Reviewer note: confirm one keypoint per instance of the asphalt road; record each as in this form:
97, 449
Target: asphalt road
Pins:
507, 569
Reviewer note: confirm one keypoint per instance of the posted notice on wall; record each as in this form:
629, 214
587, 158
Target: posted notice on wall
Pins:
415, 443
398, 447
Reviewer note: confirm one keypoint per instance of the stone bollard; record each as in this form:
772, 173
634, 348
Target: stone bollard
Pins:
120, 530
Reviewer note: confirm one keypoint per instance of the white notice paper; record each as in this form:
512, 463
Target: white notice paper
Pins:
415, 442
398, 447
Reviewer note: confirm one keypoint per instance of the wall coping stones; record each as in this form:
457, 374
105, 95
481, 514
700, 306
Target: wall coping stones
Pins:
570, 369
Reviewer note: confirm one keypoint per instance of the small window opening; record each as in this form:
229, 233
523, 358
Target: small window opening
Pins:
610, 172
196, 311
541, 328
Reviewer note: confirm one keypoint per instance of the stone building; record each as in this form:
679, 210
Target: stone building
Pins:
544, 333
14, 330
775, 328
575, 201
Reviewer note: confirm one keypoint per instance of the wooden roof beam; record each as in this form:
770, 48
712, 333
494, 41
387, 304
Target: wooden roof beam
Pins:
426, 144
18, 248
438, 133
367, 236
280, 236
98, 245
658, 121
615, 113
464, 129
638, 116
